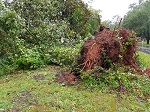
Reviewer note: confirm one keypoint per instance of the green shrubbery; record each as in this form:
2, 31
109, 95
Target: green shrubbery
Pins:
5, 66
108, 78
118, 80
29, 59
34, 58
9, 31
29, 30
63, 55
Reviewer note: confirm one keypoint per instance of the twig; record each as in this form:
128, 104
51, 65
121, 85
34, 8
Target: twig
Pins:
117, 26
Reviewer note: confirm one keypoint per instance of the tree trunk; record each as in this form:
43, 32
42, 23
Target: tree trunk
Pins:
147, 41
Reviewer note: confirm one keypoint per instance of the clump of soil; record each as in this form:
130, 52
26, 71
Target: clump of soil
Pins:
65, 76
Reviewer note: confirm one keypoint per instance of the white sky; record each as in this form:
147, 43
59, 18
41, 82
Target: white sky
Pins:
111, 8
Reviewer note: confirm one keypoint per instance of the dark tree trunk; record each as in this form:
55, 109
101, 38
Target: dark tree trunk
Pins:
147, 41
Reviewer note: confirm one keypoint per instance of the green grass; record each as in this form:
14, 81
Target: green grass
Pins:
37, 91
144, 59
144, 44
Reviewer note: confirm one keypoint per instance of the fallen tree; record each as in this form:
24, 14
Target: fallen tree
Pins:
107, 48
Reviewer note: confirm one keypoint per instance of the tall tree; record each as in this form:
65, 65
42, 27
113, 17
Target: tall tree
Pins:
1, 6
132, 6
79, 15
141, 1
138, 19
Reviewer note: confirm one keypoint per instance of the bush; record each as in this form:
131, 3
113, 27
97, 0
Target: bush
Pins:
9, 31
63, 55
6, 65
29, 59
110, 78
29, 29
119, 81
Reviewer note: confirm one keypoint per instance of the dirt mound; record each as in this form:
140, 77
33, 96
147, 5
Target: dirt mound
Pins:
65, 76
108, 47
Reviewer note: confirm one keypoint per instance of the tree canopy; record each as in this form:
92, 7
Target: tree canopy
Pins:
138, 19
47, 22
31, 29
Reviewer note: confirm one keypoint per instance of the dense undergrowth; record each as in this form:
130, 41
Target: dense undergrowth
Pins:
123, 79
37, 33
31, 59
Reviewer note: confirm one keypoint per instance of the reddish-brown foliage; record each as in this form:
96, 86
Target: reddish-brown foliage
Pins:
108, 47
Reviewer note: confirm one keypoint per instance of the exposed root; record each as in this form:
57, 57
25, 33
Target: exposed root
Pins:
108, 47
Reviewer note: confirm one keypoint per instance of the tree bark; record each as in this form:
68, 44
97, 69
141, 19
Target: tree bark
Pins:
147, 41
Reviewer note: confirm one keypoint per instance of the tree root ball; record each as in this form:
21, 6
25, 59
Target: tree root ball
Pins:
108, 47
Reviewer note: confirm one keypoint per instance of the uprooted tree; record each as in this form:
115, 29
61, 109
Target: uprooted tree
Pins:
108, 47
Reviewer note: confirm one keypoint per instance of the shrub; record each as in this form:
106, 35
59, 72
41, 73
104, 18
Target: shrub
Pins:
108, 78
119, 81
9, 31
29, 59
63, 55
29, 29
6, 65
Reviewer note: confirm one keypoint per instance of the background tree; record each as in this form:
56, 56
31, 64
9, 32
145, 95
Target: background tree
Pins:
93, 22
65, 20
138, 19
0, 5
132, 6
112, 24
80, 16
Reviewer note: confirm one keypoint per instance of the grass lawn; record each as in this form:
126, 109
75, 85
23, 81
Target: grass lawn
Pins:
37, 91
144, 44
144, 59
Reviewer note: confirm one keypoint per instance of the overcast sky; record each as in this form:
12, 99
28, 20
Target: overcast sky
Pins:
110, 8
